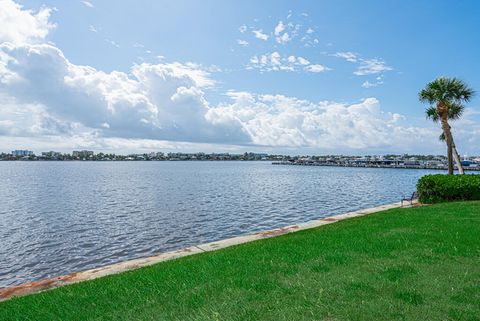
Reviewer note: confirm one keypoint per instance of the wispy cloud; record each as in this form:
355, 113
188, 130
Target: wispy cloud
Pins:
88, 4
113, 43
276, 62
365, 66
260, 35
372, 66
302, 61
279, 28
378, 81
242, 42
283, 38
347, 55
285, 32
367, 84
92, 29
316, 68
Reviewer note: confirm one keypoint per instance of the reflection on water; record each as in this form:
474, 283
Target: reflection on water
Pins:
61, 217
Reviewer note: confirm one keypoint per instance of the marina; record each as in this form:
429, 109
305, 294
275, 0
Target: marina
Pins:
468, 166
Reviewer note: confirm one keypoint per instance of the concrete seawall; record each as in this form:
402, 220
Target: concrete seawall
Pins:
42, 285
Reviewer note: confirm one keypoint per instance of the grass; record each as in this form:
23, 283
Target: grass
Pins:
402, 264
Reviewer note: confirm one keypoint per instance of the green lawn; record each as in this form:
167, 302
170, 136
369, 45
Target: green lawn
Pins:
403, 264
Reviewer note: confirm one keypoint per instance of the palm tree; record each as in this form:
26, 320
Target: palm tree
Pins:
446, 96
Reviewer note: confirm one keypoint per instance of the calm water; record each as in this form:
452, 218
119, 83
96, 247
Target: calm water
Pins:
61, 217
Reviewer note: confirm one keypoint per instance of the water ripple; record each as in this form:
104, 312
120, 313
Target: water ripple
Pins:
61, 217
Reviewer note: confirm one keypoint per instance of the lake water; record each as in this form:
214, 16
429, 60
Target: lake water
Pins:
63, 217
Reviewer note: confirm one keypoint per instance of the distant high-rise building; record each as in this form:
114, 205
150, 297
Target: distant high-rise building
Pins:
21, 152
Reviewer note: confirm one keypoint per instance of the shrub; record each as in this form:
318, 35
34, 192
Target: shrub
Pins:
446, 188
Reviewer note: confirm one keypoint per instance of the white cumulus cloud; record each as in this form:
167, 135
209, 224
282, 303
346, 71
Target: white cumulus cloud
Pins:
23, 26
277, 120
160, 101
47, 100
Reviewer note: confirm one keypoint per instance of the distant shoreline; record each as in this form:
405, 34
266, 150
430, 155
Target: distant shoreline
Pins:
442, 168
134, 160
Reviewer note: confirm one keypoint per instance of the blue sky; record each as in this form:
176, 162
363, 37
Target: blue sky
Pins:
295, 77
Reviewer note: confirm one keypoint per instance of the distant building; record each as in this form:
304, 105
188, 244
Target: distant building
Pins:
412, 162
82, 153
51, 154
434, 163
21, 152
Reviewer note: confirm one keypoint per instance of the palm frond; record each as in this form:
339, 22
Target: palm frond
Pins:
430, 94
460, 90
431, 113
426, 96
447, 90
441, 137
455, 110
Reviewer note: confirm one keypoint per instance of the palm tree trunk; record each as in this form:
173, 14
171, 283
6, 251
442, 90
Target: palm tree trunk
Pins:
442, 111
458, 161
449, 140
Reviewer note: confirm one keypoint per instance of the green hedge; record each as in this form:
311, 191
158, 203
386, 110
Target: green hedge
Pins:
445, 188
